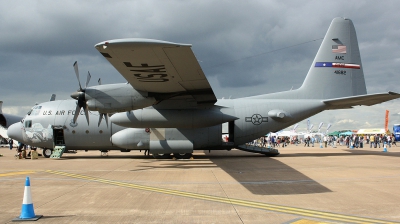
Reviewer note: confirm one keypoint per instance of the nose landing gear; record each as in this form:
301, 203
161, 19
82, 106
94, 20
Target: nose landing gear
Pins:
47, 152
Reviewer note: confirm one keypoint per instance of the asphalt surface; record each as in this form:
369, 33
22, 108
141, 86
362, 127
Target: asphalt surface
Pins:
302, 185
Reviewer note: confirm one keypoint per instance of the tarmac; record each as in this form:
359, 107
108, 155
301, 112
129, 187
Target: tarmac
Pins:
302, 185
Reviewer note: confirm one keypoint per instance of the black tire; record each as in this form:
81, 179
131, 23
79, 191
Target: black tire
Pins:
47, 152
162, 156
183, 155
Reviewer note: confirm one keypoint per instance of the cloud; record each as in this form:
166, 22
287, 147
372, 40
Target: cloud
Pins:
346, 121
396, 114
245, 48
16, 110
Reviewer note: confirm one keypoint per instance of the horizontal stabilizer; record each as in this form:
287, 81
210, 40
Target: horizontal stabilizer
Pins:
366, 100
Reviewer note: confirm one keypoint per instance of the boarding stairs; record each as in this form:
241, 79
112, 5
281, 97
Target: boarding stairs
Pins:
57, 152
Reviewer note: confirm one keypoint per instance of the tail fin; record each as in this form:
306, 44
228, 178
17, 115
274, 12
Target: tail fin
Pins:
336, 70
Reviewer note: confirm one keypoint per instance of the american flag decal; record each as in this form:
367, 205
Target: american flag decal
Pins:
339, 49
337, 65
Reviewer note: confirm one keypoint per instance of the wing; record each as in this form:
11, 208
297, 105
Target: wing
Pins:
367, 100
165, 70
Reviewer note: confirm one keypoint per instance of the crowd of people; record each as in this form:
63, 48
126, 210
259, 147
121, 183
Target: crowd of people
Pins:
22, 150
351, 141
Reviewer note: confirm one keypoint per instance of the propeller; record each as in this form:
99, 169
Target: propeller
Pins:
80, 95
102, 114
101, 117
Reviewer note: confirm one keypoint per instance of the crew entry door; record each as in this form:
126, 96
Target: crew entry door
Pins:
228, 134
58, 136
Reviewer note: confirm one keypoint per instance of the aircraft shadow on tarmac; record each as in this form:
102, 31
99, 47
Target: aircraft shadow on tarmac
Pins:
267, 176
259, 174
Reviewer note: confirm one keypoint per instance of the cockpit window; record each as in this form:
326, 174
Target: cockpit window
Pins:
28, 124
35, 110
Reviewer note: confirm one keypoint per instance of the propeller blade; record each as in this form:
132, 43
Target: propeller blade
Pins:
77, 110
88, 79
77, 74
99, 81
106, 118
86, 114
81, 99
101, 118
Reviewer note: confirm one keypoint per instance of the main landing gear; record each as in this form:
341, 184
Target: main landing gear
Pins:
183, 155
162, 156
176, 155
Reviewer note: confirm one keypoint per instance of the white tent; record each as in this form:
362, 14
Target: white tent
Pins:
286, 133
272, 134
371, 131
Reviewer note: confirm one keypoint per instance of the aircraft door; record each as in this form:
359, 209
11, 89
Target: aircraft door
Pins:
228, 133
58, 136
231, 128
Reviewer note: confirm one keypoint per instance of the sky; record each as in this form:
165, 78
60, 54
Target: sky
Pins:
245, 48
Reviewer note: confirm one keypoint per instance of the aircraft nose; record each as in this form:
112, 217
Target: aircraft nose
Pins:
15, 131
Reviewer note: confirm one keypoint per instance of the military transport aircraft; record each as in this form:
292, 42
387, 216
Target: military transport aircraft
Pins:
168, 106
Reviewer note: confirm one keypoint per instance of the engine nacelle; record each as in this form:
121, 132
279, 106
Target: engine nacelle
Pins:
115, 98
7, 119
151, 118
131, 138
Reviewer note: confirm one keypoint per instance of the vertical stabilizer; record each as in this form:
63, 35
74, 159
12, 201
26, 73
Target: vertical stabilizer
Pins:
336, 70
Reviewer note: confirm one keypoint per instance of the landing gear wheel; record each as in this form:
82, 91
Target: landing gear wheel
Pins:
47, 152
183, 155
161, 156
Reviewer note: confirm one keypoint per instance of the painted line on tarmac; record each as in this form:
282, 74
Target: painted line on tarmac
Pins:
305, 221
231, 201
15, 173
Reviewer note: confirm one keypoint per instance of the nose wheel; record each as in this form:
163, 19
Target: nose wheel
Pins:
47, 152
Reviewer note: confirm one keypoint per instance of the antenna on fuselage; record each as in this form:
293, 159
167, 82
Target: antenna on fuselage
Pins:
53, 97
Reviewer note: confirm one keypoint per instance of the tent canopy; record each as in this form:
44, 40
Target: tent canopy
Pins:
286, 133
336, 133
346, 133
371, 131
